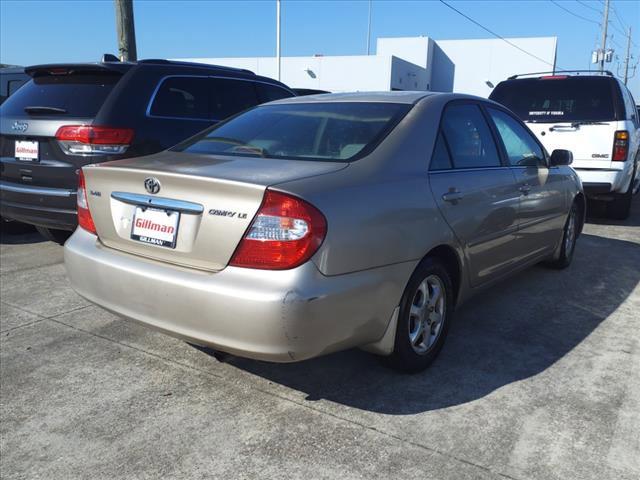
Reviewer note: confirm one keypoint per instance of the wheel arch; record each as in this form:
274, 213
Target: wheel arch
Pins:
451, 260
581, 201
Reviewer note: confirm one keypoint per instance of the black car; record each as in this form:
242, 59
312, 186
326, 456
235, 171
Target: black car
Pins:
11, 79
70, 115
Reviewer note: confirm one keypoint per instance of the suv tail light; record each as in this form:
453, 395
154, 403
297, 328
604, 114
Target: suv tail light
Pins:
90, 140
285, 233
84, 215
620, 146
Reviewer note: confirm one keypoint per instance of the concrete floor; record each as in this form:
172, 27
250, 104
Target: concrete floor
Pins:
540, 378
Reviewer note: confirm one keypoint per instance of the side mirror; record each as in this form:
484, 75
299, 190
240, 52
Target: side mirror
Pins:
560, 157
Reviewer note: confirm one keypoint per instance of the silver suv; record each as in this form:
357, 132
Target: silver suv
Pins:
592, 115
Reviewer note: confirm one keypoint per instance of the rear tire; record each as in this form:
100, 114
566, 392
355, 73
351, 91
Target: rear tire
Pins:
54, 235
12, 227
620, 207
425, 313
569, 237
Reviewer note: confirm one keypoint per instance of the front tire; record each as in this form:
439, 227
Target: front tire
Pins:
425, 313
54, 235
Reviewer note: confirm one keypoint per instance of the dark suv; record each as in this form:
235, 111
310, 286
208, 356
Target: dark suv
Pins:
71, 115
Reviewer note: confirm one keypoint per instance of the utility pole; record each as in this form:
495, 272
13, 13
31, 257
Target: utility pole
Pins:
626, 59
278, 38
603, 44
369, 32
126, 31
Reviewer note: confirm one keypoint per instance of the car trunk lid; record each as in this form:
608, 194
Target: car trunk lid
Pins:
209, 203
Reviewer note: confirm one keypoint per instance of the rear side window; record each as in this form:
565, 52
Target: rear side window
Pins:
310, 131
231, 96
76, 95
558, 99
203, 98
440, 159
522, 150
14, 85
182, 97
269, 93
469, 137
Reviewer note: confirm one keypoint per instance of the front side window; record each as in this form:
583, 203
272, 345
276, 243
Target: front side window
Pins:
302, 131
229, 96
469, 138
522, 149
269, 93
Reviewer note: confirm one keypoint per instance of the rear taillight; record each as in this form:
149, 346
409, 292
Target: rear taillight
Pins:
90, 140
620, 146
285, 233
84, 215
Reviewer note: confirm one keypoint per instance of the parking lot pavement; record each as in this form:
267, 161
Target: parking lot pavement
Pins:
540, 378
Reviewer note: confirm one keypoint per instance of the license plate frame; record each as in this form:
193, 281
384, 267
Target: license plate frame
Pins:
27, 150
150, 227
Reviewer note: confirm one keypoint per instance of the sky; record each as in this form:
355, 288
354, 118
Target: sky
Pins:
45, 31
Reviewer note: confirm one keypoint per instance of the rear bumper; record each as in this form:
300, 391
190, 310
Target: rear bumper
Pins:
602, 182
42, 206
280, 316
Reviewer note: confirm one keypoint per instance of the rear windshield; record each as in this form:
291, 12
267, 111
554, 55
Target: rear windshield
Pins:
553, 100
314, 131
77, 95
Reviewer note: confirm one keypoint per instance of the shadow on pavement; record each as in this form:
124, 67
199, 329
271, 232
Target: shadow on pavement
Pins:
501, 336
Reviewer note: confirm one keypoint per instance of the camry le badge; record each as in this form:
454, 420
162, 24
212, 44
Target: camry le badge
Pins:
19, 126
152, 185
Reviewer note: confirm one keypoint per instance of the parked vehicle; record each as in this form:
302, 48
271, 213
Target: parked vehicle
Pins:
11, 79
316, 224
70, 115
590, 114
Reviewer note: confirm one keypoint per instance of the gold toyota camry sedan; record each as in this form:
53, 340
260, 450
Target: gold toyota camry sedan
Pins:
315, 224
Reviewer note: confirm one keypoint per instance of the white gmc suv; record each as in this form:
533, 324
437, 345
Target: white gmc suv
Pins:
593, 115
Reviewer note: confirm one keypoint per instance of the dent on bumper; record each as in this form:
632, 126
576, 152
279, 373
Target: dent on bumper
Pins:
268, 315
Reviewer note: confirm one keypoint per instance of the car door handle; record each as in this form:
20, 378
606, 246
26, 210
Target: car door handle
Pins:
525, 189
454, 196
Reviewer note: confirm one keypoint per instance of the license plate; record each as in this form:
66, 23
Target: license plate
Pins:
155, 226
26, 150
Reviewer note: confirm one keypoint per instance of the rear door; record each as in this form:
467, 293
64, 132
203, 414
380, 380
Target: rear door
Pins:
543, 197
475, 192
574, 113
30, 118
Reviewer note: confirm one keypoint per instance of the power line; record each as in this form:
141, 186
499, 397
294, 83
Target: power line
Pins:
589, 6
496, 35
624, 27
573, 13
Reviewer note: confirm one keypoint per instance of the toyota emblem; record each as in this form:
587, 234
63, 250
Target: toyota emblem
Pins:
152, 185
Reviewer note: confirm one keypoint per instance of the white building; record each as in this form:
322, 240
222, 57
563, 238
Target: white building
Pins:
411, 63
